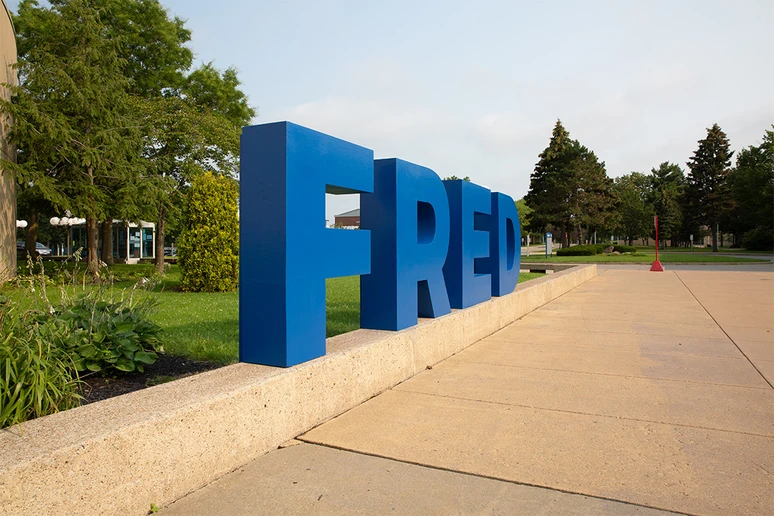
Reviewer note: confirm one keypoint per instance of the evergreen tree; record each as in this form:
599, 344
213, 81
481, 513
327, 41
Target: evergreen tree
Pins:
591, 196
549, 186
709, 197
667, 187
209, 244
569, 189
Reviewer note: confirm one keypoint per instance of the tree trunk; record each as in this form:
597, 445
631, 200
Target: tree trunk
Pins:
714, 230
565, 239
92, 233
160, 227
631, 241
31, 240
107, 241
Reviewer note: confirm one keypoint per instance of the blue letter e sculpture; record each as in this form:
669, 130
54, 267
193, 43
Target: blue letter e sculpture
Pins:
467, 270
286, 252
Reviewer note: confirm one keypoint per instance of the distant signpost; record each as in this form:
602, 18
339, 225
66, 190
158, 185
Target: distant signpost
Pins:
549, 245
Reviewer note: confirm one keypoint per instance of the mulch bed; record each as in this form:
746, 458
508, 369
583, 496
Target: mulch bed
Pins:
166, 368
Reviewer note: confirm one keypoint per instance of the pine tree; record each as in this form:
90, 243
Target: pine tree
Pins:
708, 191
549, 186
569, 188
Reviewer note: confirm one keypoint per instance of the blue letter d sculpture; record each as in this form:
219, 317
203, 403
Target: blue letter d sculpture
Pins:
286, 250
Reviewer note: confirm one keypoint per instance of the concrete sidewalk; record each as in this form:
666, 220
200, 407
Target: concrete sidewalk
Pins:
634, 393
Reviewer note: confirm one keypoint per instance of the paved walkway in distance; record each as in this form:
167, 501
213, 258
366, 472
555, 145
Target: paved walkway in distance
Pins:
635, 393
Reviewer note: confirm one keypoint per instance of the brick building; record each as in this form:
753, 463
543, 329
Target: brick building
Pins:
348, 219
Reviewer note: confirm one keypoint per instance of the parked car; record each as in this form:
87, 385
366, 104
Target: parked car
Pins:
170, 251
40, 248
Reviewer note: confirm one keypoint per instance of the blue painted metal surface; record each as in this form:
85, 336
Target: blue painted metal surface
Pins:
408, 217
286, 252
504, 245
467, 270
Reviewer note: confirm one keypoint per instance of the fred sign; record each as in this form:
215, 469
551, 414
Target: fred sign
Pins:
425, 245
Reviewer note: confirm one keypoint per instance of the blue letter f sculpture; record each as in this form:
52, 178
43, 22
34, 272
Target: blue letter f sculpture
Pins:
286, 170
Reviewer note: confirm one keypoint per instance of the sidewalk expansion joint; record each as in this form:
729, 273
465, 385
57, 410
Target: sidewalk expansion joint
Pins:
724, 331
580, 413
619, 350
491, 477
619, 375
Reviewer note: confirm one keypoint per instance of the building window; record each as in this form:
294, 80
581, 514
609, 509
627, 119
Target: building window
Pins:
119, 242
147, 242
134, 242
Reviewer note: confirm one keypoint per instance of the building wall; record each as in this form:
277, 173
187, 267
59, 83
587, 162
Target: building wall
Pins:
7, 184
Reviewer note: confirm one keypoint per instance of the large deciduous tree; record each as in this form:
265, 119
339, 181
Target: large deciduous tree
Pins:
161, 125
667, 187
193, 131
73, 116
709, 197
752, 188
525, 214
635, 212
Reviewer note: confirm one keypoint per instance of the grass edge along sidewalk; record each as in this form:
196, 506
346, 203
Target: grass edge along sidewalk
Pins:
664, 257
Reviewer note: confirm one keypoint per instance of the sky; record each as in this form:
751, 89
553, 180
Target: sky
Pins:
475, 88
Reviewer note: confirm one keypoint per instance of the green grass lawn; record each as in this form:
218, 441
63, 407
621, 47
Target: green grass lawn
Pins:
205, 326
722, 250
641, 257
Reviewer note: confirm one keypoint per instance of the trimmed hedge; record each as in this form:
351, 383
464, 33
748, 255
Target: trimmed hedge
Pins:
592, 249
581, 250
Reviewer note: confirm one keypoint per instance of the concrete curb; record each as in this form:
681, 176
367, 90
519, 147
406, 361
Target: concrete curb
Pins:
156, 445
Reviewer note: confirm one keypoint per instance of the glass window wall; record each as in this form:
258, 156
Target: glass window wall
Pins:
147, 242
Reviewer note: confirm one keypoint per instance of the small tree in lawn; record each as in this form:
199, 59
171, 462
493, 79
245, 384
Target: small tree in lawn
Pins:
209, 242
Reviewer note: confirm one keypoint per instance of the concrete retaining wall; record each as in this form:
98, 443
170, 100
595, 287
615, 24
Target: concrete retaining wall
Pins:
154, 446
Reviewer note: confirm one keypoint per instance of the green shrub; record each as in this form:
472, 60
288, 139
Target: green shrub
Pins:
44, 346
36, 376
758, 239
625, 248
104, 334
208, 248
581, 250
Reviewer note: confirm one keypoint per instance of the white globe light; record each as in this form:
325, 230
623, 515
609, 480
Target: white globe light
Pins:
21, 223
54, 221
64, 221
